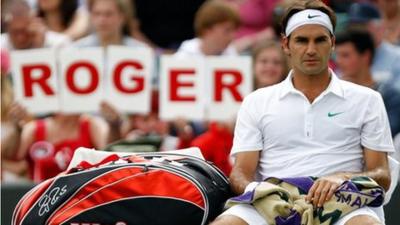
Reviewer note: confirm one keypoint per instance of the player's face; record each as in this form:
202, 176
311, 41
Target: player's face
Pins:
309, 48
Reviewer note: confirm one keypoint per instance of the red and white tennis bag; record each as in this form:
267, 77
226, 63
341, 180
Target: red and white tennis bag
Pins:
145, 189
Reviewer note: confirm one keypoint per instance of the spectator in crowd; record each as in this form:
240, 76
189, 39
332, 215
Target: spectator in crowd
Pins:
66, 132
269, 64
58, 137
215, 25
13, 117
338, 130
64, 16
176, 17
256, 17
385, 66
390, 9
25, 31
110, 19
354, 54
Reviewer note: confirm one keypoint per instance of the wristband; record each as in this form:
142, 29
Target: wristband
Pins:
251, 186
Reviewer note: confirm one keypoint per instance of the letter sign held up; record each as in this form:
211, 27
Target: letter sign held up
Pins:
194, 88
42, 80
181, 88
176, 84
34, 75
71, 77
129, 78
82, 75
231, 80
233, 86
117, 77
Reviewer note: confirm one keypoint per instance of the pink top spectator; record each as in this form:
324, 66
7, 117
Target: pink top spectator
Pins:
255, 16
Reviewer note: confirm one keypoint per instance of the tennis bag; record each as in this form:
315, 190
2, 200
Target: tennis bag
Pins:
144, 189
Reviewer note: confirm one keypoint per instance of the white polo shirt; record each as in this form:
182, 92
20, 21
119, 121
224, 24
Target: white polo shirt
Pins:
299, 138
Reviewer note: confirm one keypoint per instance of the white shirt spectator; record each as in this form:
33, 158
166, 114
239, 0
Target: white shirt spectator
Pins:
92, 40
192, 48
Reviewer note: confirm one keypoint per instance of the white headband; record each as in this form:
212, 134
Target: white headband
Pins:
308, 16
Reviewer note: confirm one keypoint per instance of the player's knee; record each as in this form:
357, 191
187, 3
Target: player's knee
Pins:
228, 220
363, 219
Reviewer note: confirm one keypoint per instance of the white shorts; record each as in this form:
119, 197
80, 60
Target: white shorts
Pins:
249, 214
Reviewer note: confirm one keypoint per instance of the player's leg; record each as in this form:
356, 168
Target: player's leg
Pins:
228, 220
364, 215
240, 215
363, 219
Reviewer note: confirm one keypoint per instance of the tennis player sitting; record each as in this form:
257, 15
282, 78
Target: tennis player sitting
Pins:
311, 125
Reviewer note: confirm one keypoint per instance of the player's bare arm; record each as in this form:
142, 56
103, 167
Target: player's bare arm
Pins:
243, 170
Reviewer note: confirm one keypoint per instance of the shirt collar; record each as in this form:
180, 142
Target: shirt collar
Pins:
334, 86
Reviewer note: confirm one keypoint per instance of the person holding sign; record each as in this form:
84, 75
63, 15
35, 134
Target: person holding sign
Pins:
215, 24
13, 117
311, 124
110, 19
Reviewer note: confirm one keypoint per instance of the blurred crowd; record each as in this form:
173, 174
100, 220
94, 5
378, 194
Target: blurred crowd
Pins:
34, 147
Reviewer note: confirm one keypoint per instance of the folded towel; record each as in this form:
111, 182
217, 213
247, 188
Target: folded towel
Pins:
282, 201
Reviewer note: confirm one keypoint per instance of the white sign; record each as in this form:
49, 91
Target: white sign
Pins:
194, 88
81, 79
34, 75
181, 88
230, 80
128, 78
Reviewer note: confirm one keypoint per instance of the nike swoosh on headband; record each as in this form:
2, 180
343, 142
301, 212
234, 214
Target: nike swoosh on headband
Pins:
310, 16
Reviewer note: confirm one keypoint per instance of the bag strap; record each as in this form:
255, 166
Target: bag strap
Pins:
86, 165
111, 158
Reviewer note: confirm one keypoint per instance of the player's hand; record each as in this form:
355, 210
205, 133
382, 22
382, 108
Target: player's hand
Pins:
323, 189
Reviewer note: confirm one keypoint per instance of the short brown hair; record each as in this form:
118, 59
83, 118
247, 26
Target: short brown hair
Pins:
298, 6
214, 12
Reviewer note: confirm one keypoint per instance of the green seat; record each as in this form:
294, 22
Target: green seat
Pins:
151, 143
